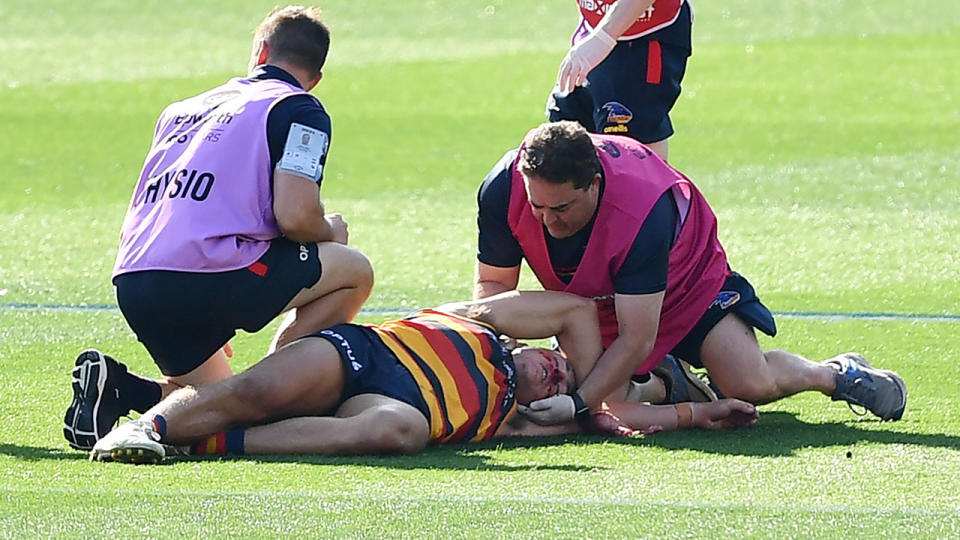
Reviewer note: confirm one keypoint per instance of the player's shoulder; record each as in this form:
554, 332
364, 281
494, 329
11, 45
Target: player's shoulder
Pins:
496, 185
301, 108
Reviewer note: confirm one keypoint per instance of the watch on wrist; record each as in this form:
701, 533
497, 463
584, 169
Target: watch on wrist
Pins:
580, 410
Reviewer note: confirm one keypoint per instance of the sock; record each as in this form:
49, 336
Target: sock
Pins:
160, 425
139, 392
225, 442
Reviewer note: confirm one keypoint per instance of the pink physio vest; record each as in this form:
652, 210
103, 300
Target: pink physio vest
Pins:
204, 201
635, 178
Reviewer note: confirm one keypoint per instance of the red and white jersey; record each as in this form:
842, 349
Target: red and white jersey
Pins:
661, 14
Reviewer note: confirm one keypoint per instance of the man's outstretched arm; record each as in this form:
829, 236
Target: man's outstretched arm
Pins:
492, 280
542, 314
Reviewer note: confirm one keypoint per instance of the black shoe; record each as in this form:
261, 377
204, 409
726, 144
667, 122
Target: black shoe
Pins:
96, 405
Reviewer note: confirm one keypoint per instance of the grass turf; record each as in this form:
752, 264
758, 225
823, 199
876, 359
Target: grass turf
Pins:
824, 137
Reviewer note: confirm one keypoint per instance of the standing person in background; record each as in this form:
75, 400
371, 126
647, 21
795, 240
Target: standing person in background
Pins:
623, 71
226, 230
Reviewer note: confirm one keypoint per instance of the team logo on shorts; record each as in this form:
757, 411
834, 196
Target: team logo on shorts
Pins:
725, 299
345, 348
617, 113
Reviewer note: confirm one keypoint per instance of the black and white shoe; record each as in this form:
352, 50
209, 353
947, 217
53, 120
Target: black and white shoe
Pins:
96, 405
681, 383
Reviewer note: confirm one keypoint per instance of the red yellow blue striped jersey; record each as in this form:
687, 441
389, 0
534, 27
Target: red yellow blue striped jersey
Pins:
466, 376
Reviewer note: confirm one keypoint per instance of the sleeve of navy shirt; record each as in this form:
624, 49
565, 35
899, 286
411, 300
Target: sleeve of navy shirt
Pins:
645, 269
300, 109
496, 244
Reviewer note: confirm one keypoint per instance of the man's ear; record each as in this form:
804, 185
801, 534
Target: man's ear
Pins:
313, 82
261, 53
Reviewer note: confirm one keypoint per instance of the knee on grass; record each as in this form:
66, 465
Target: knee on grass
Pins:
392, 430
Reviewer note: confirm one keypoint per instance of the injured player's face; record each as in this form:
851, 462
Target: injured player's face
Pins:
541, 373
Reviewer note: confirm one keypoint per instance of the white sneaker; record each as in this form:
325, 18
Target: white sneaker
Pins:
133, 442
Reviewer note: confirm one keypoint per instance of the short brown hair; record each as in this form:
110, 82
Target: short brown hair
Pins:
560, 152
296, 35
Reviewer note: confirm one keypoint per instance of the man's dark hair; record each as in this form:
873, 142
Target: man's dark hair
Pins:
296, 35
560, 152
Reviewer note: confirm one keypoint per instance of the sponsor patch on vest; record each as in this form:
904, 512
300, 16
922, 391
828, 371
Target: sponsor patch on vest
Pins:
219, 97
304, 151
610, 148
725, 299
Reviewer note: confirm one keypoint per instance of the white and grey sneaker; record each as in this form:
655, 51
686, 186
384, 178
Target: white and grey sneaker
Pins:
880, 391
133, 442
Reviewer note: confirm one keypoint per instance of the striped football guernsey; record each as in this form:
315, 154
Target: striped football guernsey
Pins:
467, 378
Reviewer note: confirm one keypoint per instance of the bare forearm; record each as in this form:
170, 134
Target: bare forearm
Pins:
485, 289
612, 371
312, 231
641, 416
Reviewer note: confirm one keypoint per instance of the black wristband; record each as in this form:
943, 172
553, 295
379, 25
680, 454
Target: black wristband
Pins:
580, 410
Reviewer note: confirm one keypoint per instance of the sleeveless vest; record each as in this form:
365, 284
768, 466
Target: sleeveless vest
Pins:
634, 179
204, 200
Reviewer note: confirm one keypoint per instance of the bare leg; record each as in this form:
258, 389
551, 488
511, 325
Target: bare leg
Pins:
365, 424
304, 378
344, 285
741, 370
214, 369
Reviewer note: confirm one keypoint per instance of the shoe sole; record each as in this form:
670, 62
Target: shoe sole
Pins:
136, 456
697, 390
696, 382
70, 426
897, 414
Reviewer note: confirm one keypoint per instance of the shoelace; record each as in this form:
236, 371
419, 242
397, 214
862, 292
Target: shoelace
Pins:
862, 412
857, 384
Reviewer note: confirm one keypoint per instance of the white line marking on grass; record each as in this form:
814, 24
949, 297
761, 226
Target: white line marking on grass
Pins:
630, 503
399, 312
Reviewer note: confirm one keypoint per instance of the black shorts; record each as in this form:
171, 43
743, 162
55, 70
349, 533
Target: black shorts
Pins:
182, 318
371, 367
633, 90
736, 296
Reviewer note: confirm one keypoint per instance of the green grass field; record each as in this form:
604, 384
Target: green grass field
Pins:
825, 134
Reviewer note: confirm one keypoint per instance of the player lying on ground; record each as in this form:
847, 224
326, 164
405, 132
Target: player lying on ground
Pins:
439, 376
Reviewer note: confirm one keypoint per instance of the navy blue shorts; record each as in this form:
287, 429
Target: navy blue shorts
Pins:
633, 90
736, 296
371, 367
182, 318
